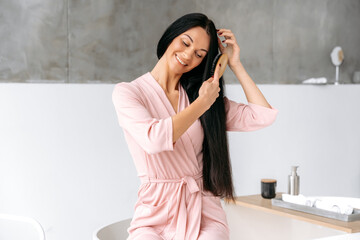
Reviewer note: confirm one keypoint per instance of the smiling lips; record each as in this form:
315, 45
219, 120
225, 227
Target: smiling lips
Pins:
181, 62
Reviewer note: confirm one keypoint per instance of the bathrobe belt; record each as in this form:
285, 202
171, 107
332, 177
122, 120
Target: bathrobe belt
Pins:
181, 213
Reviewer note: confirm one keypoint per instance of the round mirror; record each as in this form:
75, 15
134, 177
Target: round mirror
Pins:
337, 56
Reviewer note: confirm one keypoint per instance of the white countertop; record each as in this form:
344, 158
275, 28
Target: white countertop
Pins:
350, 236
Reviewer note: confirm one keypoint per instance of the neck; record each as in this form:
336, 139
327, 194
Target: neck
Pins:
167, 79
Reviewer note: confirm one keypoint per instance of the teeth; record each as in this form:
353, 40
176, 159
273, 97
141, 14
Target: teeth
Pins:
180, 60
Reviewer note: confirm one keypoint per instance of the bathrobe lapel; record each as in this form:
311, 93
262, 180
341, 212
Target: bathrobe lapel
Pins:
183, 102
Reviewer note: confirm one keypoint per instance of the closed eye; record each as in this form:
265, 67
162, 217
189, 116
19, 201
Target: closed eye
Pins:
199, 56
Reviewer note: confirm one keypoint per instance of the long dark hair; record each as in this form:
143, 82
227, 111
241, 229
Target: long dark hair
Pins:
217, 174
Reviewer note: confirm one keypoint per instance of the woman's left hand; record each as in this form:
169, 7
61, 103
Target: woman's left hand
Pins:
232, 49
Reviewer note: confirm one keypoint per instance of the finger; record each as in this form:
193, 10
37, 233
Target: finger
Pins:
228, 35
216, 75
229, 41
222, 30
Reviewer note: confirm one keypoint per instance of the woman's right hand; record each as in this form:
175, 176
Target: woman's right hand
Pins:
209, 90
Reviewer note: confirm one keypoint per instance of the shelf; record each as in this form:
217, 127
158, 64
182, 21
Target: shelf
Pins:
257, 202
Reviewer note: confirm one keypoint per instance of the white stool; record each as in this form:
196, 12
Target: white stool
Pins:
114, 231
19, 228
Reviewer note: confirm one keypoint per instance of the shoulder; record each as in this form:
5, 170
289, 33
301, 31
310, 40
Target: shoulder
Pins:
130, 89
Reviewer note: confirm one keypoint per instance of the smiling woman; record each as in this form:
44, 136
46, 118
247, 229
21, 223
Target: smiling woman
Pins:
175, 120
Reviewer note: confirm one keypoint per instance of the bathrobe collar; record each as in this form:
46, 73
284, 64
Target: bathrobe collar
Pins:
182, 104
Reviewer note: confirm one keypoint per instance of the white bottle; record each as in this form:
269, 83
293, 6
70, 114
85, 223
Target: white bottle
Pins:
294, 182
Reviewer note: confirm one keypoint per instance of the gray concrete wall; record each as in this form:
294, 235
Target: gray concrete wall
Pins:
78, 41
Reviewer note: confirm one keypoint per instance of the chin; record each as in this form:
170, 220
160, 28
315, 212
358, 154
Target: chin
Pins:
175, 69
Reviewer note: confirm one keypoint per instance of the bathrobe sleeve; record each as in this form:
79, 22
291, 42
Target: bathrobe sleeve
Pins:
247, 117
152, 134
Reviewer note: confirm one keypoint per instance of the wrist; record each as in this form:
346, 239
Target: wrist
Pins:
201, 103
239, 71
237, 66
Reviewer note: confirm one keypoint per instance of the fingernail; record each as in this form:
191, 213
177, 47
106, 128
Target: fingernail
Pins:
212, 76
223, 40
220, 64
217, 30
220, 33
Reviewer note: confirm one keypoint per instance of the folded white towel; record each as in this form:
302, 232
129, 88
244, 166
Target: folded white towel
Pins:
297, 199
334, 207
353, 202
321, 80
324, 204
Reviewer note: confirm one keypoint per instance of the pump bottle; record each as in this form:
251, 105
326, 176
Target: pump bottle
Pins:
294, 182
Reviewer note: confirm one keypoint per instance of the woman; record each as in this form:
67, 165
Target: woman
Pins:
175, 120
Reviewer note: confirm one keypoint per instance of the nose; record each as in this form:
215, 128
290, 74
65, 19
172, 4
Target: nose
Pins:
187, 54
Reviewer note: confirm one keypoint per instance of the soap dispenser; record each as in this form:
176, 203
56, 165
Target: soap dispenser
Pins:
294, 181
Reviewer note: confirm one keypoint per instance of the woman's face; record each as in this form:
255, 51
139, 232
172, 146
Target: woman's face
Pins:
187, 50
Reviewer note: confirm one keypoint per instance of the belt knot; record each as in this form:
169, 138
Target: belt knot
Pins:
190, 183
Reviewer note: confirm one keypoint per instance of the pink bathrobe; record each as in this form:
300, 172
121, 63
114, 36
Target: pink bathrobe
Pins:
171, 201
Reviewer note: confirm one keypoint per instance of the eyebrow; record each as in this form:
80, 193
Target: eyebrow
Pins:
193, 41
